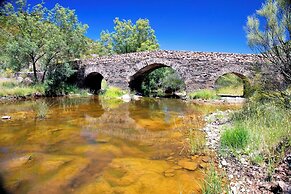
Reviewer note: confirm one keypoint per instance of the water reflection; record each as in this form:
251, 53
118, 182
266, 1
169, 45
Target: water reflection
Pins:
88, 145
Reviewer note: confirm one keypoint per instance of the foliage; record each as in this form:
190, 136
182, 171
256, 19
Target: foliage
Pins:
128, 37
56, 82
235, 138
161, 81
40, 37
205, 94
113, 92
13, 88
213, 183
274, 41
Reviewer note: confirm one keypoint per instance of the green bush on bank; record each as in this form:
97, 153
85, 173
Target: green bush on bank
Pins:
205, 94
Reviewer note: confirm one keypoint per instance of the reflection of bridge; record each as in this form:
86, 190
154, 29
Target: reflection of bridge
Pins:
199, 70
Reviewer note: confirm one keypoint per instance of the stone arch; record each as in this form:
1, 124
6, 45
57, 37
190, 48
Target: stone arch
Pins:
245, 79
143, 68
93, 82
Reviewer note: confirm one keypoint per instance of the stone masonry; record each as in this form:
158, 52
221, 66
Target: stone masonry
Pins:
199, 70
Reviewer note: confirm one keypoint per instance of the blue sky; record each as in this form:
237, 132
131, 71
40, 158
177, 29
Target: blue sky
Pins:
204, 25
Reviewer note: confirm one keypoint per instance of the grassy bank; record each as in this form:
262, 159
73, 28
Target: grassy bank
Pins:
261, 131
205, 94
11, 87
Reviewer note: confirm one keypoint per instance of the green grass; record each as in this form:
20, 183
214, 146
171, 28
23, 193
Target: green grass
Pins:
230, 91
41, 109
197, 142
205, 94
268, 126
261, 130
13, 88
74, 90
229, 84
113, 92
213, 182
235, 138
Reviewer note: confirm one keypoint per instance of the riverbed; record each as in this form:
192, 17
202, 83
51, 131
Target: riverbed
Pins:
92, 145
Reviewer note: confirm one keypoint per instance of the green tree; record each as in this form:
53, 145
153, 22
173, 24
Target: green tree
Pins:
272, 37
42, 37
128, 37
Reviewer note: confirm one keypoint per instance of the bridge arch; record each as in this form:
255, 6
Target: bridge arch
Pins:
143, 68
93, 82
246, 82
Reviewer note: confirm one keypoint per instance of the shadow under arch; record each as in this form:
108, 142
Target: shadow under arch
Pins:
136, 80
247, 90
93, 82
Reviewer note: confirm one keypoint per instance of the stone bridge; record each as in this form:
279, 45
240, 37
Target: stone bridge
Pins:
199, 70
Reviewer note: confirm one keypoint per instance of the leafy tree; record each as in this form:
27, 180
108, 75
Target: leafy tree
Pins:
128, 37
272, 37
41, 37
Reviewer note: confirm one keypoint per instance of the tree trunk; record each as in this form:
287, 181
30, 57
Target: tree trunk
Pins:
34, 72
43, 76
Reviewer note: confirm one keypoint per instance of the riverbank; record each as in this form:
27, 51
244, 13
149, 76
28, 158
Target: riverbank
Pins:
244, 176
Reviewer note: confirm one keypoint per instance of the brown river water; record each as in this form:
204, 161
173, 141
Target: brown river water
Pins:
89, 145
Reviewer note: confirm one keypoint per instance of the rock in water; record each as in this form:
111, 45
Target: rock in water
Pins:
126, 98
188, 165
6, 117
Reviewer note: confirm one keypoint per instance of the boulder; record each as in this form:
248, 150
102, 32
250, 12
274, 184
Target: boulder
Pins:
126, 98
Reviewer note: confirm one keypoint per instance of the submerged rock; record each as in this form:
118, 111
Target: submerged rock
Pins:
188, 165
169, 173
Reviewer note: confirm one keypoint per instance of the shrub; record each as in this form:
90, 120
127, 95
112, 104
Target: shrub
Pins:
205, 94
236, 138
56, 79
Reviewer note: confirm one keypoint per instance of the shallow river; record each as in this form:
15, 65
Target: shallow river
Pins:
88, 145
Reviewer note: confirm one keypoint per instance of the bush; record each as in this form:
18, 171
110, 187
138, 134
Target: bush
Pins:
203, 94
56, 81
235, 138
